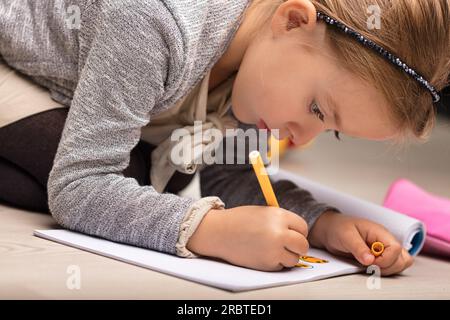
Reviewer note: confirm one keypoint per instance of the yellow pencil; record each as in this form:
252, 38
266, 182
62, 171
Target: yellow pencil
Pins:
263, 178
277, 147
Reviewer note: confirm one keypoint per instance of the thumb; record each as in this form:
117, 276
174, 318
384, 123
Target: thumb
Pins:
359, 249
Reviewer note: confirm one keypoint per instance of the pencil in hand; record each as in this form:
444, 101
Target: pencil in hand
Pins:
263, 178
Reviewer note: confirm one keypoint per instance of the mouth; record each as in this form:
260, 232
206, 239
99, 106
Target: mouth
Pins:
291, 143
262, 125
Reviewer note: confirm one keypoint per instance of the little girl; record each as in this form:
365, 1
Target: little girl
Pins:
123, 75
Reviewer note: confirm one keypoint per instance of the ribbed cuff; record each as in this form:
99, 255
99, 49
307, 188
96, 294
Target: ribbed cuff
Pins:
191, 221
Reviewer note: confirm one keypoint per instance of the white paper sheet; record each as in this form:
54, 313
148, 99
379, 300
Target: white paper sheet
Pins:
410, 232
210, 272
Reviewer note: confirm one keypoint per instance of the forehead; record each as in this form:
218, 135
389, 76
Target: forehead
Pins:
362, 108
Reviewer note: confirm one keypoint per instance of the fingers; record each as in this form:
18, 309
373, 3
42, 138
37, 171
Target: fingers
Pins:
297, 223
355, 244
289, 259
295, 246
404, 261
296, 243
394, 258
392, 248
392, 252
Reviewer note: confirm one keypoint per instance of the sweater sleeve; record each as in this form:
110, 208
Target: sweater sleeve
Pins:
236, 184
123, 75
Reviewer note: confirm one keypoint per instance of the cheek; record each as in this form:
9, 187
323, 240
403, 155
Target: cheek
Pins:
241, 102
265, 90
282, 105
248, 94
251, 102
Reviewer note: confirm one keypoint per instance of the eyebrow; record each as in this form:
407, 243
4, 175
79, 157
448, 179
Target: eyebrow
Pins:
335, 114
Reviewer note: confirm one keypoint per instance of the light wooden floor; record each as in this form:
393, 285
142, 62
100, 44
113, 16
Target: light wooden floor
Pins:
35, 268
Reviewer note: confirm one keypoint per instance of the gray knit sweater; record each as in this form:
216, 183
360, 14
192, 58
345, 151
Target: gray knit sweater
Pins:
121, 63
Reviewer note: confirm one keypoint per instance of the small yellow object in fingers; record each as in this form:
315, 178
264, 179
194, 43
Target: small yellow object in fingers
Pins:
377, 248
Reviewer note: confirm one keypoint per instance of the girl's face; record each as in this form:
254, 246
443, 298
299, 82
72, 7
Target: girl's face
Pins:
282, 85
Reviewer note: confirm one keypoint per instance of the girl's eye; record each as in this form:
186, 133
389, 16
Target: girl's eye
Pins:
336, 134
315, 110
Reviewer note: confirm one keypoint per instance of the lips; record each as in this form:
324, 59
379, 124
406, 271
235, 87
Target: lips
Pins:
291, 143
262, 125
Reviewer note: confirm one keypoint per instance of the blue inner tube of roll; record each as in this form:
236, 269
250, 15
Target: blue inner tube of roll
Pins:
416, 242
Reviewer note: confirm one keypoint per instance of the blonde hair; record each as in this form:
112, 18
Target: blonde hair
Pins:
418, 31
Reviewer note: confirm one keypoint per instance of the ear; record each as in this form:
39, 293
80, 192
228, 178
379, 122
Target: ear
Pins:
294, 14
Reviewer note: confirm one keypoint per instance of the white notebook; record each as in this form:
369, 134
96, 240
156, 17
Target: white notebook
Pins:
222, 275
207, 271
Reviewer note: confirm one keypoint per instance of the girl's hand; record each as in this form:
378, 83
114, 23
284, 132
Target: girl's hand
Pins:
258, 237
348, 236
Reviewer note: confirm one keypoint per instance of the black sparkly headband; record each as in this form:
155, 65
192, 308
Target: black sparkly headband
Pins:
386, 54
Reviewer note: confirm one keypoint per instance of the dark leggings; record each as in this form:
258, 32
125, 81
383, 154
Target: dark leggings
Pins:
28, 147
